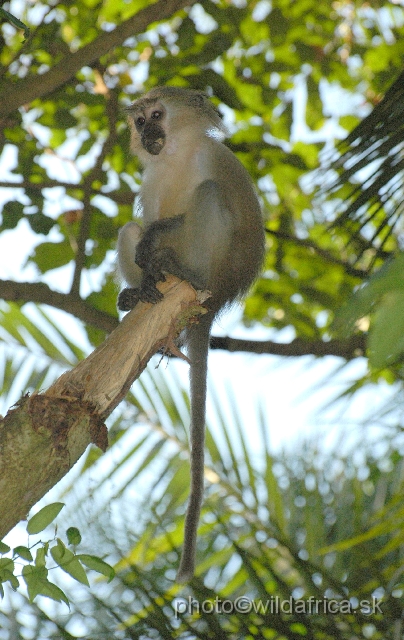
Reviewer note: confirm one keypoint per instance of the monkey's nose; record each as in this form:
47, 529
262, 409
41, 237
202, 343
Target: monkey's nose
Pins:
153, 138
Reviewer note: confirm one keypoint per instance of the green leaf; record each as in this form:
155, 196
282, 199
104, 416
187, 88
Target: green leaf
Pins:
40, 223
64, 119
73, 535
7, 572
12, 214
40, 558
386, 338
4, 548
7, 576
23, 552
38, 584
388, 278
15, 21
44, 517
52, 255
96, 564
68, 562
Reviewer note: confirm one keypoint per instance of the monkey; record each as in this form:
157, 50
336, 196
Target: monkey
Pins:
202, 222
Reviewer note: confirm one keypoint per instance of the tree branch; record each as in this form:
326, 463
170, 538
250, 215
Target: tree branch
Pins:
120, 197
28, 89
353, 347
40, 293
45, 435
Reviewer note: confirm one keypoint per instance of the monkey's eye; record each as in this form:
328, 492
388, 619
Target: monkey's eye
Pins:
156, 115
140, 121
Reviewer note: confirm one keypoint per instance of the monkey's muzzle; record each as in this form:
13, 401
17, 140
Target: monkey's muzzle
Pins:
153, 138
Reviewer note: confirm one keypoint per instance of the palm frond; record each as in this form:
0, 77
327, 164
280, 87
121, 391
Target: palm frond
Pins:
371, 161
34, 350
272, 526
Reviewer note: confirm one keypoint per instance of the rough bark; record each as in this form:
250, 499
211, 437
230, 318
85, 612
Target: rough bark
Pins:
44, 435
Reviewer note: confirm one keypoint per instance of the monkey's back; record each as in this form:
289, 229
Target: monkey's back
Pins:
240, 264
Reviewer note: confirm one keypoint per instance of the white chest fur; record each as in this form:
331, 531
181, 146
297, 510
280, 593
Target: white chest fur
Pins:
168, 187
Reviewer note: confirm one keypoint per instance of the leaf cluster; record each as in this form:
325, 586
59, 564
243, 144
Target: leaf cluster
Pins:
34, 570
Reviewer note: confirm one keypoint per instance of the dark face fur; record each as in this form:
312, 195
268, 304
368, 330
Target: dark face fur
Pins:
149, 126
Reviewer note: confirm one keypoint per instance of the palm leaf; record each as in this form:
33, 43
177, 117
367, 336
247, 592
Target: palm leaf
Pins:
34, 350
371, 160
262, 530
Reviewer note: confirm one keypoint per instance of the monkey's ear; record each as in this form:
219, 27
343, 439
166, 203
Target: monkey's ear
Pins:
217, 128
198, 99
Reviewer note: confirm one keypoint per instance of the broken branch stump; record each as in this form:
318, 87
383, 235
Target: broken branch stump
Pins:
44, 435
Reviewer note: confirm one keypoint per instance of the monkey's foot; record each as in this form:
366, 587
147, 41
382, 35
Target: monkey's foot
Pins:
128, 298
148, 291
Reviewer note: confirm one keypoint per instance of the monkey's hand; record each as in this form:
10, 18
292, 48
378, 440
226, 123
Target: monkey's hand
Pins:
148, 292
160, 261
128, 299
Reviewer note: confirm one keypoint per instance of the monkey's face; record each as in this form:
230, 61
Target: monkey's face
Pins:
149, 125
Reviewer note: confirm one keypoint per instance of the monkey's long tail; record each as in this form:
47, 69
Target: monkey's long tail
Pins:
198, 347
